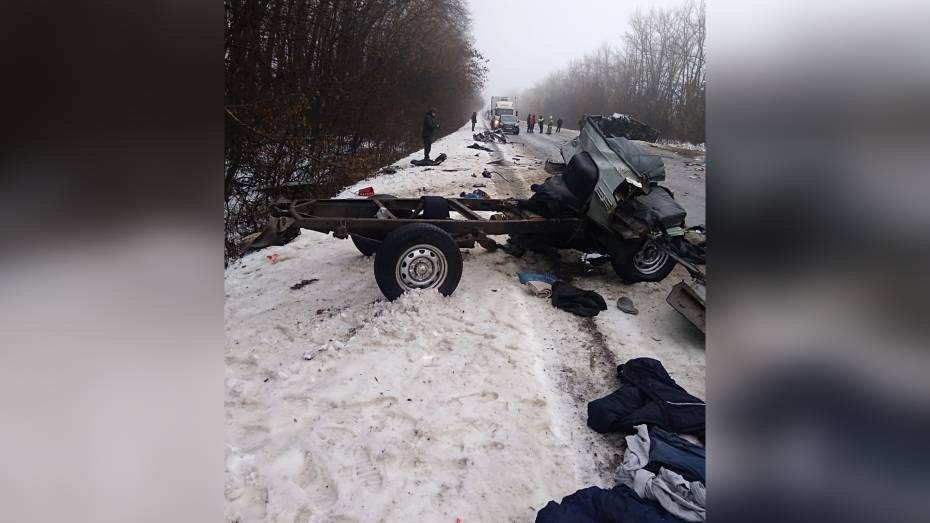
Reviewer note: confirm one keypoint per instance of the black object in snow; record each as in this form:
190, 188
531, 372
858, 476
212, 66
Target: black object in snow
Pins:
577, 301
421, 163
596, 505
648, 395
303, 283
626, 305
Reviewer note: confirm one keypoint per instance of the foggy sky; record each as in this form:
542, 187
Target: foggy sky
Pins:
526, 40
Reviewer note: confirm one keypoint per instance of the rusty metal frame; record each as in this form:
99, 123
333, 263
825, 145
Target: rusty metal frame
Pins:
344, 217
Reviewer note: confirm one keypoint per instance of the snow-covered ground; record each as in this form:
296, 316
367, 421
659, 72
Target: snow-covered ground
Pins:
699, 147
342, 406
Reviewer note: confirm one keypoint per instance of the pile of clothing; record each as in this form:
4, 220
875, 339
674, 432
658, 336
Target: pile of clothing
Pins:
662, 477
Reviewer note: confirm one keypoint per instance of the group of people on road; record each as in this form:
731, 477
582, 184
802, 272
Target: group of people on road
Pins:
533, 120
431, 124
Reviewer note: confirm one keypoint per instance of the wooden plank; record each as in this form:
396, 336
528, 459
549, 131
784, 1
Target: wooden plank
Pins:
388, 211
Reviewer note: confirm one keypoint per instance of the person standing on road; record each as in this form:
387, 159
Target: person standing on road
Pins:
549, 128
532, 122
529, 123
542, 121
474, 120
558, 125
430, 124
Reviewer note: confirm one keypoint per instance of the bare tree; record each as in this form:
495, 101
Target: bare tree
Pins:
320, 92
657, 74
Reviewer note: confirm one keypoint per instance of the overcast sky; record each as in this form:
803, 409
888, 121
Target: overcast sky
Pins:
527, 39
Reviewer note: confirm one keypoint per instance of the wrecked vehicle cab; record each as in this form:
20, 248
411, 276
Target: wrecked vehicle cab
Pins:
615, 186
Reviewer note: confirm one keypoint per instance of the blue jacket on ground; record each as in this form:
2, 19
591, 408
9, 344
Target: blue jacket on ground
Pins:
676, 454
533, 276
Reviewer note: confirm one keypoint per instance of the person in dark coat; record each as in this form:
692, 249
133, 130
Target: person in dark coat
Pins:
474, 120
430, 124
558, 125
529, 123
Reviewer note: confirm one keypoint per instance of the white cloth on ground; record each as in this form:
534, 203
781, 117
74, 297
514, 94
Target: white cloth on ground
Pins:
539, 289
683, 499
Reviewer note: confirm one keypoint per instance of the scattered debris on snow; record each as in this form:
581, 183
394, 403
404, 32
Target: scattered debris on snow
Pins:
303, 283
496, 378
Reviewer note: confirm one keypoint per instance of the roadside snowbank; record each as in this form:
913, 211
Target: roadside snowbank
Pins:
688, 146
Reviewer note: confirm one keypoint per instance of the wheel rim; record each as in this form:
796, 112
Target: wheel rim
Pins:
421, 267
649, 259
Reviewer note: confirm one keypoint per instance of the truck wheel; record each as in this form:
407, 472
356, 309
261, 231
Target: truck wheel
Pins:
649, 264
418, 256
368, 246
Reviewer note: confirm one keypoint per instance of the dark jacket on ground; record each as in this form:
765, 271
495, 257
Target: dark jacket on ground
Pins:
429, 127
577, 301
597, 505
648, 395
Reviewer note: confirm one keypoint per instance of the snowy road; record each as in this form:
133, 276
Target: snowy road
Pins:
342, 406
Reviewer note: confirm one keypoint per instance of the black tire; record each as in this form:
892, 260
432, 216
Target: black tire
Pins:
369, 246
413, 247
645, 265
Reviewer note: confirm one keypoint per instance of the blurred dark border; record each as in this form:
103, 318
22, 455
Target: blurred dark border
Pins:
111, 273
818, 270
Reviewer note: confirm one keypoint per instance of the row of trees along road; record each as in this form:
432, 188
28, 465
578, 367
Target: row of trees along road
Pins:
657, 74
321, 92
